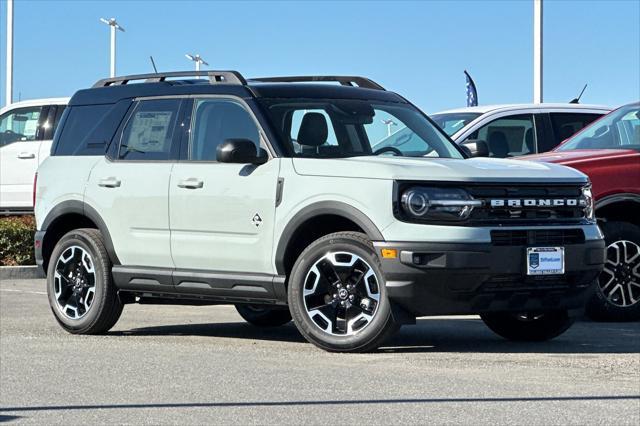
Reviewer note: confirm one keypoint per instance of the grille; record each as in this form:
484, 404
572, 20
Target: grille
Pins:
534, 214
548, 237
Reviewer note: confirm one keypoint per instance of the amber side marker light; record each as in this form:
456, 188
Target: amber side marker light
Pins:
389, 253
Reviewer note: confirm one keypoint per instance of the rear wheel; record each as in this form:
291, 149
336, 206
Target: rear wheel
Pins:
337, 294
617, 297
264, 316
82, 295
531, 327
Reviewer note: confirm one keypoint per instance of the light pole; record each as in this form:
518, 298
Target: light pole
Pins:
114, 26
197, 59
9, 59
537, 51
389, 123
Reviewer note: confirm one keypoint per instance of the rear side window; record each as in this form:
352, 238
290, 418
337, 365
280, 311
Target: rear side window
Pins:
88, 129
566, 124
59, 109
149, 133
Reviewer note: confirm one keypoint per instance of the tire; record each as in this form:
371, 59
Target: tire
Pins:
618, 285
341, 323
264, 316
77, 309
528, 327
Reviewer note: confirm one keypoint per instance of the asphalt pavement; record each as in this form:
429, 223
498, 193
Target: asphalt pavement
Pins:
196, 365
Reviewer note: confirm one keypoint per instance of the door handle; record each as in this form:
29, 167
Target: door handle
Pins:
191, 183
26, 155
109, 182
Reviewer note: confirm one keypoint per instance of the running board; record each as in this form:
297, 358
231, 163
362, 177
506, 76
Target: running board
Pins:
222, 287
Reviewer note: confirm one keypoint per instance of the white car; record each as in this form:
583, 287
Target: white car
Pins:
26, 133
514, 130
193, 191
504, 130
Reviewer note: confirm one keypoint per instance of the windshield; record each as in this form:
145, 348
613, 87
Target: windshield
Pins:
619, 129
453, 122
340, 128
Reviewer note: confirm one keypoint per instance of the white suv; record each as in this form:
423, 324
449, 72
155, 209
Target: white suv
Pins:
26, 132
267, 194
510, 130
519, 129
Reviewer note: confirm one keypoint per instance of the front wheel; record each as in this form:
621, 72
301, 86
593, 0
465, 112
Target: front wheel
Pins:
337, 294
528, 327
264, 316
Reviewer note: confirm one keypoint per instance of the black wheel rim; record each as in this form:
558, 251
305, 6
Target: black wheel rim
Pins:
620, 279
74, 282
341, 293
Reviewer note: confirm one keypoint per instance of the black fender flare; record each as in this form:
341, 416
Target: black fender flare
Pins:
81, 208
321, 208
616, 198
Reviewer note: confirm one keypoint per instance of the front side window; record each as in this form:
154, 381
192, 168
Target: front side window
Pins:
454, 122
340, 128
216, 120
618, 130
296, 123
19, 125
149, 133
508, 136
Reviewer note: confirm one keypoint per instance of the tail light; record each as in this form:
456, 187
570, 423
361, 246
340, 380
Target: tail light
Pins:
35, 184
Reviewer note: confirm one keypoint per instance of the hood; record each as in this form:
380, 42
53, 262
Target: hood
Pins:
579, 155
437, 169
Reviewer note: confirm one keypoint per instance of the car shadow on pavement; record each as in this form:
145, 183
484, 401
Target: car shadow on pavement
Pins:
471, 335
434, 335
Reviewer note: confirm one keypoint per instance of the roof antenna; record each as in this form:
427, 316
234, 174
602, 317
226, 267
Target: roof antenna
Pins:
577, 100
153, 63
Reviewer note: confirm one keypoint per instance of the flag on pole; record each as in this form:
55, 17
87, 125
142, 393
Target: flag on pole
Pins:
472, 93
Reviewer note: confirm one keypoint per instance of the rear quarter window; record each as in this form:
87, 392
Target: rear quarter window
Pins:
88, 129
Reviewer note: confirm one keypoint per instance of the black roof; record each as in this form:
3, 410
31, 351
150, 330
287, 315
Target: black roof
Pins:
231, 83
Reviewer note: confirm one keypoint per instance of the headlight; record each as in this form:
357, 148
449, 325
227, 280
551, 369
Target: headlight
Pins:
437, 204
589, 209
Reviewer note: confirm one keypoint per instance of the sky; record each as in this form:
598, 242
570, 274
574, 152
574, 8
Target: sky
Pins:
418, 49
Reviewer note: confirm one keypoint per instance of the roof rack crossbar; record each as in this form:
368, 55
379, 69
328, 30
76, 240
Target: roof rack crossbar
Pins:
342, 79
215, 77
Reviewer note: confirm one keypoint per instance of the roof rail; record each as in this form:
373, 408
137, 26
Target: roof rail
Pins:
215, 77
342, 79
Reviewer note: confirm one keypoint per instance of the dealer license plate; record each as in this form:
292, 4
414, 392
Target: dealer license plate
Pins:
545, 260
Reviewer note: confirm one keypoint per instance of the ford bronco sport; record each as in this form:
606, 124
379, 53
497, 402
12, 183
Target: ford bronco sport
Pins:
266, 194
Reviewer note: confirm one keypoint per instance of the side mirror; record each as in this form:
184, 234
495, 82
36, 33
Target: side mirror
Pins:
466, 150
240, 151
476, 147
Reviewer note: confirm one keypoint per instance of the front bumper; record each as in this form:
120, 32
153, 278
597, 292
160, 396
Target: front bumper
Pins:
473, 278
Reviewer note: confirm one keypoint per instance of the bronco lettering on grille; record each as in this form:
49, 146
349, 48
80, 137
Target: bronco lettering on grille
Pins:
538, 202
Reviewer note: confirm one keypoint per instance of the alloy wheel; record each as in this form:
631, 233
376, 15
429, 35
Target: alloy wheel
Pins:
74, 282
620, 279
341, 293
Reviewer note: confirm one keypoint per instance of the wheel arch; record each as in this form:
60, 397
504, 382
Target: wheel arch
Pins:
69, 215
316, 220
623, 207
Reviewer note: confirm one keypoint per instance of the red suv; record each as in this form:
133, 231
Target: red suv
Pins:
608, 151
